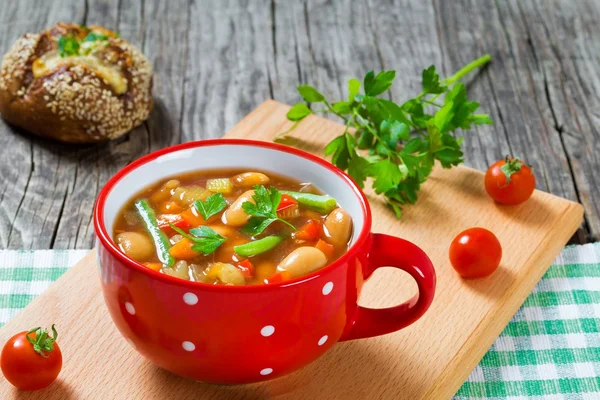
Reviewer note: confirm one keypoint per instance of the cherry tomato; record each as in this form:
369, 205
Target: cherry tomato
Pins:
31, 360
475, 253
509, 181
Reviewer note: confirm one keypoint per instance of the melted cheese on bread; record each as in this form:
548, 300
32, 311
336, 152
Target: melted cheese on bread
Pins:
110, 74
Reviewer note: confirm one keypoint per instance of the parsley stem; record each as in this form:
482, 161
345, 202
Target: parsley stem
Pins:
467, 68
431, 102
283, 134
458, 75
287, 223
365, 124
330, 108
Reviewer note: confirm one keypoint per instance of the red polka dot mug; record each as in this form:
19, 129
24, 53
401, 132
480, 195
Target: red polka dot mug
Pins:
241, 334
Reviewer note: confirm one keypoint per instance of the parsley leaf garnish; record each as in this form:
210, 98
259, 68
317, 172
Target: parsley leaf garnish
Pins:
397, 145
68, 46
92, 37
214, 204
298, 112
205, 239
263, 211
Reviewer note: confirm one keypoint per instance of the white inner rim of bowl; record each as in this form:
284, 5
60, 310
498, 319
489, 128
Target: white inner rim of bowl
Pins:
233, 156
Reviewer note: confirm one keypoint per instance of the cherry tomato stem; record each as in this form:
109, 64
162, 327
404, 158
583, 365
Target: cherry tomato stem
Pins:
509, 181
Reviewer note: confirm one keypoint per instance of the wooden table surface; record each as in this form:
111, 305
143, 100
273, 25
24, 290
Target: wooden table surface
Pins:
215, 61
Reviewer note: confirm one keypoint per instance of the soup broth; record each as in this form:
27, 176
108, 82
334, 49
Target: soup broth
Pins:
233, 227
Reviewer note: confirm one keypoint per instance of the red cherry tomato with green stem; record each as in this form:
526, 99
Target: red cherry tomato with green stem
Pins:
509, 181
31, 360
475, 253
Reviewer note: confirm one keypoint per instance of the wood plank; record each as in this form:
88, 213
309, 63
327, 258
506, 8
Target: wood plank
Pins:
514, 90
407, 41
104, 13
228, 66
461, 43
34, 174
428, 360
567, 44
164, 42
541, 88
93, 165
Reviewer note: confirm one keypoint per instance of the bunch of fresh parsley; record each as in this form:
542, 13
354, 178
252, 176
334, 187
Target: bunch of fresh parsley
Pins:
396, 144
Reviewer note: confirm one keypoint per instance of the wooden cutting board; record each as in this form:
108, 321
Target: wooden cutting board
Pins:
428, 360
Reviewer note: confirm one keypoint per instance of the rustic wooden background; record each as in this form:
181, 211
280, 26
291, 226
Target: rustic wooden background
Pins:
215, 61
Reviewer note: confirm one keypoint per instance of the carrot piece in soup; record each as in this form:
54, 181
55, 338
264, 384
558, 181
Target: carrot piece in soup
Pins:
192, 217
182, 250
310, 231
154, 266
278, 277
326, 248
247, 268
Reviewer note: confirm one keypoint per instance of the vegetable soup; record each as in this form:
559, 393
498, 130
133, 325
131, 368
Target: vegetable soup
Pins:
233, 227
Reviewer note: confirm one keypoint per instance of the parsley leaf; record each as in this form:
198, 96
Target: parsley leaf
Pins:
375, 85
387, 175
310, 94
263, 211
430, 81
205, 239
397, 145
92, 37
68, 46
357, 169
353, 88
338, 147
298, 112
214, 204
341, 107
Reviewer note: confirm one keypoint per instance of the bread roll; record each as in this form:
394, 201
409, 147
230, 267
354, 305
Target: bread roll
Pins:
75, 84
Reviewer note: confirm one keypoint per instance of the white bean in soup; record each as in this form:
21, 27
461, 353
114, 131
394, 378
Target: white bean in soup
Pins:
225, 231
302, 261
135, 245
338, 227
165, 191
250, 179
235, 214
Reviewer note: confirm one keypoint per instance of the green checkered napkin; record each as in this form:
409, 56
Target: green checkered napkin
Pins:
26, 274
549, 350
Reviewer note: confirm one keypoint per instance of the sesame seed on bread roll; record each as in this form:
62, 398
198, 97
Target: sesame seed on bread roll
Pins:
75, 84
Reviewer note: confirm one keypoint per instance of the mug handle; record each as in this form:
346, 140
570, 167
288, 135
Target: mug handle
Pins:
390, 251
